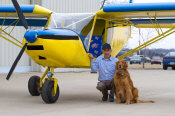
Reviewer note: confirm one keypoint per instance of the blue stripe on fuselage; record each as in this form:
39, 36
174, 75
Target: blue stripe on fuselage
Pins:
10, 8
140, 7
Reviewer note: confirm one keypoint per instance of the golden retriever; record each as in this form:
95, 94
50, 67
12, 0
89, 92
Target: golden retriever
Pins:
125, 90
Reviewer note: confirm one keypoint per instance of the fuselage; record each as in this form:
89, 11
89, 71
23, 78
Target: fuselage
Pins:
56, 48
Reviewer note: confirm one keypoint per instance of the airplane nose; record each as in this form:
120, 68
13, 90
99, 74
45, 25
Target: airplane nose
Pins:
31, 36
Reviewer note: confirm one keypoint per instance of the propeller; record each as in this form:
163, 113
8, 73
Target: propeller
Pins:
103, 4
24, 23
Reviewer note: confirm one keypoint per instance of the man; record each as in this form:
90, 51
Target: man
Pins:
106, 67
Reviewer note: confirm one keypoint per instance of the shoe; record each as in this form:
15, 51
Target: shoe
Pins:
111, 99
105, 97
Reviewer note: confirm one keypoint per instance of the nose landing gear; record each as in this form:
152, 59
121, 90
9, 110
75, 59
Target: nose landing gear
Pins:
49, 90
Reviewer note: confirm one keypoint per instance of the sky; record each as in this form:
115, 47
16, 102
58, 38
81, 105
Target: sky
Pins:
166, 43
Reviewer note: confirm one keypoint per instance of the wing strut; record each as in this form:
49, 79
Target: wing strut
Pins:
155, 39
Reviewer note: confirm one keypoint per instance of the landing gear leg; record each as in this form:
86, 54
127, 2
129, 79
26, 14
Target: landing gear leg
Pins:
50, 88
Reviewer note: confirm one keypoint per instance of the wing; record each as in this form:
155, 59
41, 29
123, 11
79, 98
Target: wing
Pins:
28, 10
138, 10
153, 23
140, 15
36, 15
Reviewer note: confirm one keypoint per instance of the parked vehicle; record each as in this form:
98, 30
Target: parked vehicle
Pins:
169, 60
141, 56
146, 59
156, 60
135, 60
121, 53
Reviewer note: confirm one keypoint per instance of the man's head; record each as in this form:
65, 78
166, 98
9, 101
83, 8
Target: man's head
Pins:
106, 49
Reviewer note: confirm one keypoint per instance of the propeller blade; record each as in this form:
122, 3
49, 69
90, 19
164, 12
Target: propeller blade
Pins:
20, 14
103, 4
16, 61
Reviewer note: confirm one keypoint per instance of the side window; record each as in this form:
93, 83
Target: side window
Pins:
168, 54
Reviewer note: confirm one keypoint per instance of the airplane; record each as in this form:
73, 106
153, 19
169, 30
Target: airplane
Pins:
67, 39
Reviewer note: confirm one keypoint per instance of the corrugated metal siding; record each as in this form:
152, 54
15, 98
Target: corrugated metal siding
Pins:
72, 6
9, 2
8, 51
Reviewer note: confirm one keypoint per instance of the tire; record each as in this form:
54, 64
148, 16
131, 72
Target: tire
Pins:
173, 68
33, 86
130, 62
47, 94
165, 67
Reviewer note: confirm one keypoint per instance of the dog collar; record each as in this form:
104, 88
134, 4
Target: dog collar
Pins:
122, 74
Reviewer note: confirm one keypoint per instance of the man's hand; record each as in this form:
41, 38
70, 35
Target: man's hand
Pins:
91, 56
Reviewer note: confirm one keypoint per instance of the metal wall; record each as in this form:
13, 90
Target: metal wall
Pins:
8, 51
72, 6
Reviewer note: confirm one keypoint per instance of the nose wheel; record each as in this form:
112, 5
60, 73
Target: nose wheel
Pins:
33, 86
49, 90
48, 94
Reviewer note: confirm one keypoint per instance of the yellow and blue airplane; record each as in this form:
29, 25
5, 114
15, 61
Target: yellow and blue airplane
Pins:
67, 39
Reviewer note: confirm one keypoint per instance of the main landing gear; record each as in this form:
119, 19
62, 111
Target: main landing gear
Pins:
47, 87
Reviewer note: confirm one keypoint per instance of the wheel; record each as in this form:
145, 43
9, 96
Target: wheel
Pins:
130, 62
173, 68
47, 93
33, 85
139, 62
165, 67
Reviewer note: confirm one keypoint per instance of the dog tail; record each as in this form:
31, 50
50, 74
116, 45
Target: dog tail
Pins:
142, 101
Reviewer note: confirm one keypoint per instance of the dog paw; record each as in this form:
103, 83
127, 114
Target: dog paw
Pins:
152, 101
127, 103
118, 102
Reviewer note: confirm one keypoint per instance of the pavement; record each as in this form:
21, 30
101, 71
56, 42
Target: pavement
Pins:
79, 97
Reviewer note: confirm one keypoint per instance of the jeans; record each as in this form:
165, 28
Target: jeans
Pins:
104, 86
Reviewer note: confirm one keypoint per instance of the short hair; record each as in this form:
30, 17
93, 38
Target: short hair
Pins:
106, 46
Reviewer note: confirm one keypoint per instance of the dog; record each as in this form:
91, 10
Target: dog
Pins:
125, 90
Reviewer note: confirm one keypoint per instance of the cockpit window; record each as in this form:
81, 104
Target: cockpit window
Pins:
81, 23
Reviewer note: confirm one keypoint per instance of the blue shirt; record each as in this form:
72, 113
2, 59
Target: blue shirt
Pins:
106, 67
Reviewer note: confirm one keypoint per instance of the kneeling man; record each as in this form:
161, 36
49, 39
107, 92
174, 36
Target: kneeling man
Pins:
106, 67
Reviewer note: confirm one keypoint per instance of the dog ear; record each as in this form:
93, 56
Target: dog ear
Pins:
116, 66
125, 65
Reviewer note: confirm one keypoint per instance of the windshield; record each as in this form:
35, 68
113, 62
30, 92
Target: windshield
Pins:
73, 21
171, 54
147, 58
80, 23
156, 57
136, 57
